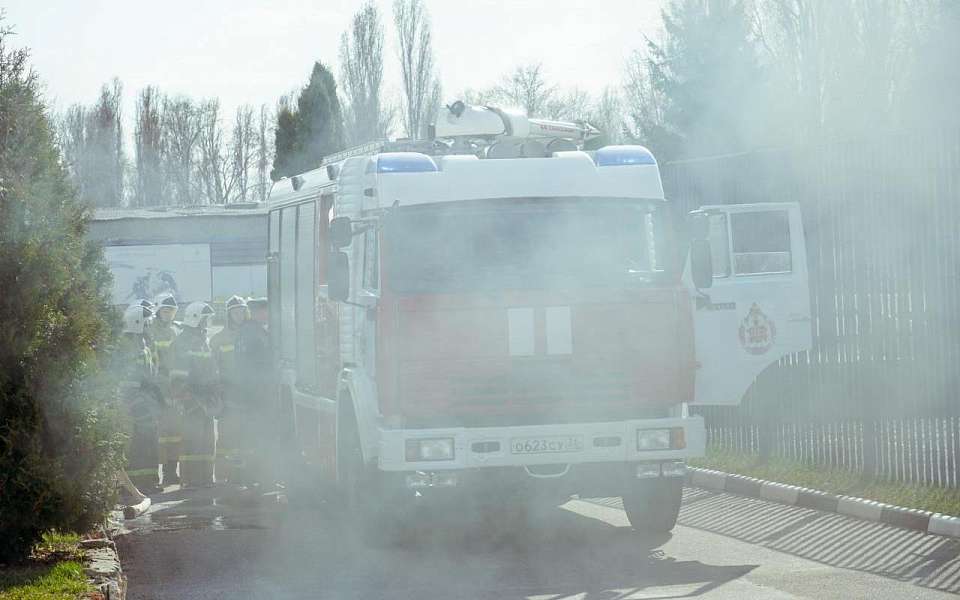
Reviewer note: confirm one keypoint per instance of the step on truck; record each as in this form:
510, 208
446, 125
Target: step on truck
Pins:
497, 314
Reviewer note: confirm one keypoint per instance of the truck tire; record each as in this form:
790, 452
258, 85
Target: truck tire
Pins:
368, 513
652, 505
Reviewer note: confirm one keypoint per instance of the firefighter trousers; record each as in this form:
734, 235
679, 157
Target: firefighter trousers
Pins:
170, 442
197, 455
231, 446
142, 451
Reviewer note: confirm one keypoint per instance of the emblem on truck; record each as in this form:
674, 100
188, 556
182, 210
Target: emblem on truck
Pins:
757, 332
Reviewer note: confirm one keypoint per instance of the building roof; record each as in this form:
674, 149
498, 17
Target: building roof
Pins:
112, 214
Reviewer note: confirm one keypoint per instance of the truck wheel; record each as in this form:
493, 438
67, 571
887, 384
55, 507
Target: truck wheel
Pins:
652, 505
368, 513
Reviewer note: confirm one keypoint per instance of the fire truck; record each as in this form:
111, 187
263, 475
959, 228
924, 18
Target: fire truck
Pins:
495, 313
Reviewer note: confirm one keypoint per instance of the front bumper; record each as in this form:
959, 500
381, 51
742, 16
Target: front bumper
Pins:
493, 446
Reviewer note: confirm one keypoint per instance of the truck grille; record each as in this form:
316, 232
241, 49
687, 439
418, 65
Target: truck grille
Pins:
534, 394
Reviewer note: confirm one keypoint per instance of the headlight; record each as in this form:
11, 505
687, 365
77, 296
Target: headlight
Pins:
430, 449
653, 439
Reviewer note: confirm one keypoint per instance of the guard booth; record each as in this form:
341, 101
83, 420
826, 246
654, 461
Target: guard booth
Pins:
198, 253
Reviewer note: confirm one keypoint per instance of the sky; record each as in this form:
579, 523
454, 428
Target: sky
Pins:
243, 51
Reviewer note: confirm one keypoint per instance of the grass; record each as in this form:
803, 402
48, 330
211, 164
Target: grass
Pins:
836, 481
53, 572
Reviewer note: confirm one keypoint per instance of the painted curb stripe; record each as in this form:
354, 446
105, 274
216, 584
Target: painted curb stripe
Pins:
745, 486
904, 517
860, 508
713, 480
944, 525
779, 492
817, 500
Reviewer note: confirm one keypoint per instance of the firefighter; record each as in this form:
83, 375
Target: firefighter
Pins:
163, 332
193, 382
229, 461
254, 364
140, 398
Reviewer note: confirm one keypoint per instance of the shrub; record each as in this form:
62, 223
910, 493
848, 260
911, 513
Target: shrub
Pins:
60, 440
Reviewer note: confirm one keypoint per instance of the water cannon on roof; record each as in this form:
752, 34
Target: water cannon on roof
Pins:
482, 131
499, 133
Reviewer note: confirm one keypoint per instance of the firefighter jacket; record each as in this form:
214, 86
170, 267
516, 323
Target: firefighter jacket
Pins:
135, 361
254, 363
136, 370
163, 335
223, 346
193, 372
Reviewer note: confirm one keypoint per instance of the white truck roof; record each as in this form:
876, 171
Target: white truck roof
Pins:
567, 174
410, 178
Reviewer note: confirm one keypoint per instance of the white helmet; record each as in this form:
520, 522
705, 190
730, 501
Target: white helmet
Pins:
196, 313
165, 300
134, 318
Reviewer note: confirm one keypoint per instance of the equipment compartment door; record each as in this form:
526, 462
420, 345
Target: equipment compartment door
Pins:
758, 309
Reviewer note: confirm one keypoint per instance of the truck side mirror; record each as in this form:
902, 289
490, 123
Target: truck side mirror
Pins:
338, 276
341, 232
701, 264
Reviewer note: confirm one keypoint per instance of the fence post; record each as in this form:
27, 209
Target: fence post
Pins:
869, 449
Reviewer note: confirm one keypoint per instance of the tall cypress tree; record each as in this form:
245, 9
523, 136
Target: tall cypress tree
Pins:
310, 129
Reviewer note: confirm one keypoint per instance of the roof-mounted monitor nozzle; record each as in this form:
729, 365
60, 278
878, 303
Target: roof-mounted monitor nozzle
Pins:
484, 131
502, 133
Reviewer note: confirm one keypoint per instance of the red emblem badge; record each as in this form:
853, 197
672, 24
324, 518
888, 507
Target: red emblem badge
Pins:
757, 332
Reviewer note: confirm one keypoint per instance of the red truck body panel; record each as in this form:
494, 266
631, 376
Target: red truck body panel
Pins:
444, 359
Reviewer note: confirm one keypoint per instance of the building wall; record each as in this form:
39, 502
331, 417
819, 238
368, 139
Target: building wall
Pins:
237, 244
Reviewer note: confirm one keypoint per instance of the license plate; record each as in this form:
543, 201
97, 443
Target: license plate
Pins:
546, 445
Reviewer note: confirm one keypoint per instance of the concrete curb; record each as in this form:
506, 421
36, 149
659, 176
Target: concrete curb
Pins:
860, 508
102, 568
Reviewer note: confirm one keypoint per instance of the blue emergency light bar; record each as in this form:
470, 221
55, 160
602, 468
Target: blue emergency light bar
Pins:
616, 156
405, 162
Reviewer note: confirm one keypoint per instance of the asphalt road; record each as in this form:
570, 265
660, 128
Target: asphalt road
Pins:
206, 545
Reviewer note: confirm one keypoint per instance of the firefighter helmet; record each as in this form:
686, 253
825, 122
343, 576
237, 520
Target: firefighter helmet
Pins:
146, 304
166, 300
134, 318
235, 302
260, 302
196, 313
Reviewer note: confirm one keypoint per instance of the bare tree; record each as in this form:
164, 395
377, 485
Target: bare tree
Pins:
606, 114
421, 88
837, 66
214, 175
71, 135
181, 132
361, 63
243, 148
525, 88
93, 147
477, 97
264, 141
567, 105
643, 105
148, 148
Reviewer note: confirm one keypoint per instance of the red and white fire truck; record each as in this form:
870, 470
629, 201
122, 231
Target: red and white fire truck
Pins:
495, 311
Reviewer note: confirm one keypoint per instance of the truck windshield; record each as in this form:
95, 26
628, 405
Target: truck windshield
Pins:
524, 244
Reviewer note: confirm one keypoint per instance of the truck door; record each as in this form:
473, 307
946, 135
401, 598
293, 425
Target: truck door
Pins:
758, 308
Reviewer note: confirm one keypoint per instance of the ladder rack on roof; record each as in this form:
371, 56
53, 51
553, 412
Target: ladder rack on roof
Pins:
378, 146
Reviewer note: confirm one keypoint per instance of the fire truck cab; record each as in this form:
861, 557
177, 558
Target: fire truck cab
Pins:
496, 315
